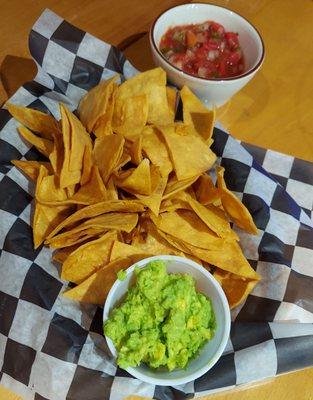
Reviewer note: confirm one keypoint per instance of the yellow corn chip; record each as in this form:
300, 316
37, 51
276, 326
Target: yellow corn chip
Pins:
189, 154
197, 115
237, 212
96, 104
45, 146
138, 180
31, 168
206, 192
95, 289
45, 125
88, 258
155, 149
235, 287
107, 153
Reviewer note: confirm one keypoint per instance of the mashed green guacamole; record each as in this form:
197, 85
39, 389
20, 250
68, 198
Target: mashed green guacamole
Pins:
163, 320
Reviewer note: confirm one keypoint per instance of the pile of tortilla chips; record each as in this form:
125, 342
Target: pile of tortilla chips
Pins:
125, 181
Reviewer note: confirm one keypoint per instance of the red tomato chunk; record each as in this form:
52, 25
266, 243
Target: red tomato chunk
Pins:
205, 50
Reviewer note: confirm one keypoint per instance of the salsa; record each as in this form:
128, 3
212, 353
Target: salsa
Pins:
204, 50
163, 320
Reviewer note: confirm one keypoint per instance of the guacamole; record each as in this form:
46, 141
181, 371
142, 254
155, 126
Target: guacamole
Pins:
162, 322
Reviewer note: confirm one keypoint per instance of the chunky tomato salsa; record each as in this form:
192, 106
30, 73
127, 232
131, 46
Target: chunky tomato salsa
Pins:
205, 50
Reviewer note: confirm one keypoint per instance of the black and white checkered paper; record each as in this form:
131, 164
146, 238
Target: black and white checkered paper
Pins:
53, 348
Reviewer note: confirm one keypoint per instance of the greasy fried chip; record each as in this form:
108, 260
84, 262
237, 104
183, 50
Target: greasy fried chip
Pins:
197, 115
187, 226
214, 218
96, 104
135, 151
75, 139
61, 255
206, 192
95, 289
107, 152
235, 287
171, 94
45, 219
237, 212
87, 165
45, 146
130, 115
227, 256
43, 124
158, 184
138, 181
187, 164
152, 84
152, 242
155, 148
88, 258
97, 209
91, 192
31, 168
123, 250
175, 186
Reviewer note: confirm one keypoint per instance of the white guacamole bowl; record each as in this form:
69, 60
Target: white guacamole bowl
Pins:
210, 353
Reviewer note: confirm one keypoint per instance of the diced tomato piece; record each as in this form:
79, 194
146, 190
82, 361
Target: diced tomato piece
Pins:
232, 39
234, 58
216, 27
191, 38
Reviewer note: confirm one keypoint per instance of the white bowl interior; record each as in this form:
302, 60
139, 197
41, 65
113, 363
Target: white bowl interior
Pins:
197, 13
211, 352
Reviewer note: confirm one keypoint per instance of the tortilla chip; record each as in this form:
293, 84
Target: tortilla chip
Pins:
88, 258
45, 219
96, 104
75, 139
92, 192
237, 212
45, 146
95, 289
31, 168
152, 84
235, 287
56, 156
174, 186
103, 126
187, 226
214, 218
138, 180
197, 159
130, 115
135, 151
125, 158
97, 209
43, 124
155, 148
171, 94
107, 153
152, 242
61, 255
227, 256
206, 192
112, 193
87, 165
158, 184
123, 250
197, 115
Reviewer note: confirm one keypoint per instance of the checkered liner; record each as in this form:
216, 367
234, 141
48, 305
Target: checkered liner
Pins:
53, 348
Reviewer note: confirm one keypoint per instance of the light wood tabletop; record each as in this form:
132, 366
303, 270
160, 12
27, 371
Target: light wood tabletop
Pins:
273, 111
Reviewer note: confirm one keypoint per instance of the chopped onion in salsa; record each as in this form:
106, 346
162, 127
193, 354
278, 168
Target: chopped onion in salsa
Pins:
205, 50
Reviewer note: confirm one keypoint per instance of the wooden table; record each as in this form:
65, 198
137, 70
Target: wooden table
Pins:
272, 111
